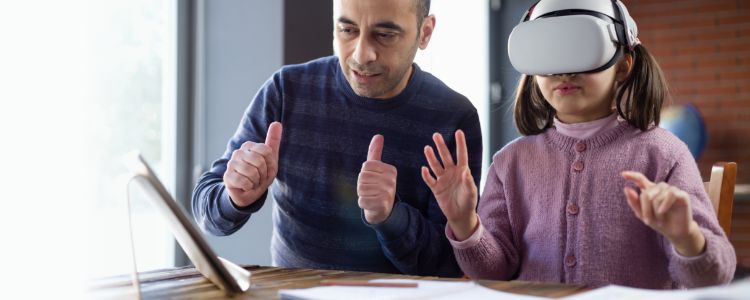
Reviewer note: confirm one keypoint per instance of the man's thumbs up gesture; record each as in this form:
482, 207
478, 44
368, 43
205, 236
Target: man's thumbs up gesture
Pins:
253, 167
376, 185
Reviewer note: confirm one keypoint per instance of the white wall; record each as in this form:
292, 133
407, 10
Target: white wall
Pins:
458, 55
243, 46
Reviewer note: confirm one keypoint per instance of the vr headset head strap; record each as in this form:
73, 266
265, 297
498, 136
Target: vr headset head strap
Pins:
627, 31
630, 30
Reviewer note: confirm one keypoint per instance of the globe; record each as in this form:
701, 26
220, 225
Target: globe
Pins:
686, 123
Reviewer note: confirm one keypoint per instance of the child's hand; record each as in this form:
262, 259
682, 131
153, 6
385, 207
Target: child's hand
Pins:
666, 209
454, 187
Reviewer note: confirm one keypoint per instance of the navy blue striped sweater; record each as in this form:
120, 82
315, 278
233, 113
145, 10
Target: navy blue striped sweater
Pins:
327, 131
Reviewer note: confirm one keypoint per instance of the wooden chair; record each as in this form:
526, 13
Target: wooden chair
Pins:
720, 189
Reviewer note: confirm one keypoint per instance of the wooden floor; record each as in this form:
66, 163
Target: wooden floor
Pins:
186, 283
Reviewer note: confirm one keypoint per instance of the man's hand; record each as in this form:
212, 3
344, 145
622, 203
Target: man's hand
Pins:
666, 209
376, 185
454, 187
253, 167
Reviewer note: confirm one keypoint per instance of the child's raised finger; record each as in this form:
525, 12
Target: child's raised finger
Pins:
639, 179
435, 165
461, 151
632, 198
647, 210
657, 193
428, 179
666, 204
445, 154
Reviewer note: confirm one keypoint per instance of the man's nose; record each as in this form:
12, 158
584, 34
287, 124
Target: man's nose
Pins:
364, 52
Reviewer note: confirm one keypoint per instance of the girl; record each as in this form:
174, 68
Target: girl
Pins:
593, 193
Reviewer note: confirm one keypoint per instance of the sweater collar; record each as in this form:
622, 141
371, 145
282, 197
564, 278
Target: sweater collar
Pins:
601, 138
585, 130
415, 82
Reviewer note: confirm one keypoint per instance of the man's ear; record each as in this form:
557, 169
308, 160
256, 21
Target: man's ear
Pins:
428, 26
624, 66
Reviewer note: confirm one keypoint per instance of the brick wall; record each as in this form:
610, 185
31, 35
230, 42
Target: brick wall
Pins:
741, 231
703, 47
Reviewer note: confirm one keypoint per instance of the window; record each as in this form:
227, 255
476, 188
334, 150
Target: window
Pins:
133, 64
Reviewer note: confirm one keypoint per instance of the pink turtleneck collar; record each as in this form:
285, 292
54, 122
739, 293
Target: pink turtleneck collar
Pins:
585, 130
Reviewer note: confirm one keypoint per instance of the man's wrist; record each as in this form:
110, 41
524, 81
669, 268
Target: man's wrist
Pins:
394, 226
375, 217
228, 206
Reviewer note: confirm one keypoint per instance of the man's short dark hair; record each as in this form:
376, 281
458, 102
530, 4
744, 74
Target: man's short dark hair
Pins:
423, 10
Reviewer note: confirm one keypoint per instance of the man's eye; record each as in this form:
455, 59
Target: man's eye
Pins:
347, 31
385, 36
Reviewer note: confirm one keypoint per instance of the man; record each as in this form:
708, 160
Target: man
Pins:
345, 172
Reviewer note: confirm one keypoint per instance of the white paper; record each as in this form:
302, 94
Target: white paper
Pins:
427, 289
736, 291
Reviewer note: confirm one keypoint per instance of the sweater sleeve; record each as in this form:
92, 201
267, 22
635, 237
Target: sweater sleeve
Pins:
493, 255
413, 240
213, 209
716, 265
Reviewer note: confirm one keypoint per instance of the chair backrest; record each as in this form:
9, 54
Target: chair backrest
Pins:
720, 189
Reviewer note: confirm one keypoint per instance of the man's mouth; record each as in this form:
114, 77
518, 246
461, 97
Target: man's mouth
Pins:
364, 74
364, 77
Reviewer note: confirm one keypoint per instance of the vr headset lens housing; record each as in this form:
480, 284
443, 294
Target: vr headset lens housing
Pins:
564, 42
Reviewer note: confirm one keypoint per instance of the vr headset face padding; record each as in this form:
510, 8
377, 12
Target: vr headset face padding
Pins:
570, 36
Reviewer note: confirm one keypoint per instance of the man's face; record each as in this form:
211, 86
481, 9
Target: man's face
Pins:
376, 41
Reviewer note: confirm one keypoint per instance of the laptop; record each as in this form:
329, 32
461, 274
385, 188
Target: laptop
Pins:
231, 278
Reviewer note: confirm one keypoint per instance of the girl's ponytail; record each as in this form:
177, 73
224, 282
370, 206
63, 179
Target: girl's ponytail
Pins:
640, 97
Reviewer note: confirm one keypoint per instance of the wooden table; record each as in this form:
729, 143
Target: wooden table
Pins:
187, 283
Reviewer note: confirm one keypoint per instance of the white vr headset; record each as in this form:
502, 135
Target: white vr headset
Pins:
571, 36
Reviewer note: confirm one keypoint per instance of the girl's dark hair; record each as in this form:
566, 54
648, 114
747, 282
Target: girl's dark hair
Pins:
638, 98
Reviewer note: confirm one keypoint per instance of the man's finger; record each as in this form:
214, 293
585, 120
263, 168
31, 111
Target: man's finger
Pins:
368, 190
273, 138
639, 179
259, 162
369, 203
246, 145
236, 180
375, 152
249, 172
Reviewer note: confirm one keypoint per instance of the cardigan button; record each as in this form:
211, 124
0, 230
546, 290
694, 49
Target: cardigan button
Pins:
578, 166
580, 147
570, 260
573, 209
